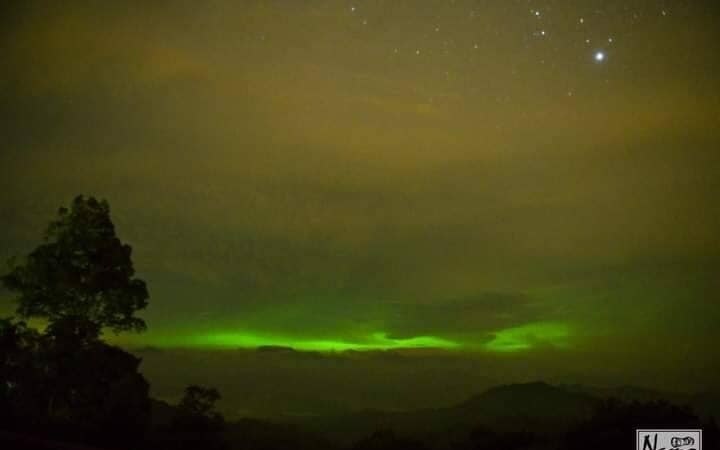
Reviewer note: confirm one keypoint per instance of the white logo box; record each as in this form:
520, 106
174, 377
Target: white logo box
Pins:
668, 440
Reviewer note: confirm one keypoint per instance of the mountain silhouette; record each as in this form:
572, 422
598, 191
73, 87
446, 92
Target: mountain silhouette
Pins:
705, 404
535, 406
514, 416
536, 400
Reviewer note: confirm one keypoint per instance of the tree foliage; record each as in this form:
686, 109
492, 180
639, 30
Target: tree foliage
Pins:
196, 409
66, 382
22, 384
82, 275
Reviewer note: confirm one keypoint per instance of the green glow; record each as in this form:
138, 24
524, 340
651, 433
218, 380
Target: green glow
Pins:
375, 341
529, 336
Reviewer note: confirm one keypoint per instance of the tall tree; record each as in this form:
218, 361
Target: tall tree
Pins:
81, 278
197, 409
197, 422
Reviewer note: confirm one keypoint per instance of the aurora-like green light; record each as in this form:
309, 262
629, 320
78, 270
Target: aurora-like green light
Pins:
375, 341
529, 336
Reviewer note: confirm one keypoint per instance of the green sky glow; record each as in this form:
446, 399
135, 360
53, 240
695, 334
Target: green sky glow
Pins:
375, 341
522, 338
529, 336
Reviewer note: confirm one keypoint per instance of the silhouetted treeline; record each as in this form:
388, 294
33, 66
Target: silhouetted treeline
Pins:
64, 382
77, 389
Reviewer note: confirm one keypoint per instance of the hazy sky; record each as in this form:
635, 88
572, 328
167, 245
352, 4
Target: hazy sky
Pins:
482, 175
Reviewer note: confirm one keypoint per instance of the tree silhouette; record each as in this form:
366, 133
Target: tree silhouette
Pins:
196, 411
21, 381
66, 382
196, 423
81, 278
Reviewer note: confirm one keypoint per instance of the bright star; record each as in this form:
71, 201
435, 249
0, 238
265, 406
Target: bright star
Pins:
599, 56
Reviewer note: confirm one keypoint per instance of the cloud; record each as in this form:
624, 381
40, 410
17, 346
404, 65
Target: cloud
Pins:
477, 315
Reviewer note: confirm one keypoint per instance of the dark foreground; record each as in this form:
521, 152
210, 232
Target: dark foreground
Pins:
514, 417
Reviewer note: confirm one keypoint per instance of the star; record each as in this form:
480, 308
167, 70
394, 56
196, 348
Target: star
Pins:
600, 56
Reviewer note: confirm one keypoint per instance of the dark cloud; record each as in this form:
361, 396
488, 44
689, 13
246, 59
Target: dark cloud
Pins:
477, 315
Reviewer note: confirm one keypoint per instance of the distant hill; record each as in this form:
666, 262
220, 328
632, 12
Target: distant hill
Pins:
538, 399
538, 407
545, 410
530, 407
705, 404
265, 435
246, 433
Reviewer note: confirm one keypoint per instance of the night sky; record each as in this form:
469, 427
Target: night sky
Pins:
530, 182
